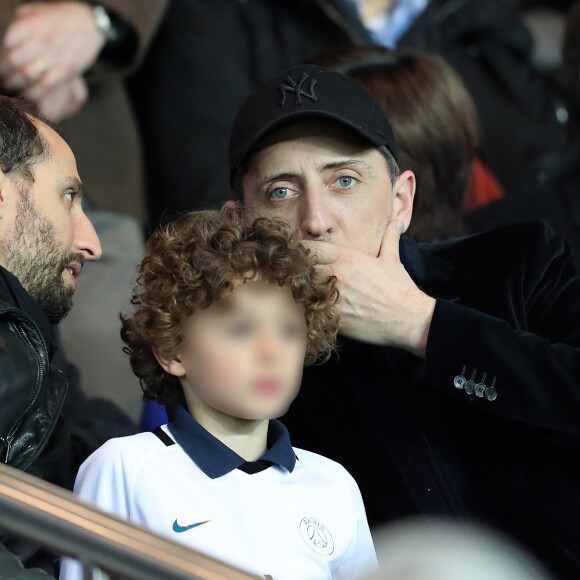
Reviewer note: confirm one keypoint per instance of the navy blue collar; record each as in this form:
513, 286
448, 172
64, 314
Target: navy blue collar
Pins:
216, 459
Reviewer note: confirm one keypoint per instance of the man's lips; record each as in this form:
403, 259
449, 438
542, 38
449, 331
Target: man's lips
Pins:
74, 269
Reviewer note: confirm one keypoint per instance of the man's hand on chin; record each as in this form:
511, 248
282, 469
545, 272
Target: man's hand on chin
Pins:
379, 302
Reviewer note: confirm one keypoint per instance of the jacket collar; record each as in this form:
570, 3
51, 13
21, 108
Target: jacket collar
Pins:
345, 15
432, 272
12, 292
216, 459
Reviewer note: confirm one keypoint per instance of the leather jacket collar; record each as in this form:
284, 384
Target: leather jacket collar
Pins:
12, 292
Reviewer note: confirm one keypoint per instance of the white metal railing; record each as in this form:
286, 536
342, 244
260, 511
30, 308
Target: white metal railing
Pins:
54, 518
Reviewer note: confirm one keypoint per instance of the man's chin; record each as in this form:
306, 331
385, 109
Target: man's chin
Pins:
56, 316
57, 308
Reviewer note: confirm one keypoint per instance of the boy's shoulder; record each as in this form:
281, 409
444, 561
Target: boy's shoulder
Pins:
146, 439
320, 466
128, 450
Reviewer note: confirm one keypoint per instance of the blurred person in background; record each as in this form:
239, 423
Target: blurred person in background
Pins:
571, 52
209, 55
70, 59
571, 69
557, 53
437, 130
441, 549
435, 124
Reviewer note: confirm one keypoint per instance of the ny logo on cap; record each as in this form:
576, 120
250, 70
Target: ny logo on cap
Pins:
291, 86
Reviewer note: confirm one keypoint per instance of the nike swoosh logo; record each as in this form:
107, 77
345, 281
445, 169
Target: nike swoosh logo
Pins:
180, 529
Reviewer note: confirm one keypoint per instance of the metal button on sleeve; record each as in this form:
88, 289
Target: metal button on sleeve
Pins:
491, 393
469, 387
479, 390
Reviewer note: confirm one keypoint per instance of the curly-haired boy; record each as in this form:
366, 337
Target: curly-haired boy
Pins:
227, 311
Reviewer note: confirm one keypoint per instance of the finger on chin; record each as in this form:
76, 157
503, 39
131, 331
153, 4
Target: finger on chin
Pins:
391, 239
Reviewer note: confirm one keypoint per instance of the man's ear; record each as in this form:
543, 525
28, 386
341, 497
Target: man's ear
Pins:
8, 195
170, 364
5, 187
403, 196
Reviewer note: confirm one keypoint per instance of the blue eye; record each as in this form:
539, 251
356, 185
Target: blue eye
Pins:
280, 193
346, 181
70, 195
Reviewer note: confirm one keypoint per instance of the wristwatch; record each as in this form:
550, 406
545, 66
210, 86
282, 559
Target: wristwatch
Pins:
104, 23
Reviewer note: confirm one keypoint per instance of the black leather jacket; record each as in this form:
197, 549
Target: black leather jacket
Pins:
32, 393
40, 397
48, 427
33, 435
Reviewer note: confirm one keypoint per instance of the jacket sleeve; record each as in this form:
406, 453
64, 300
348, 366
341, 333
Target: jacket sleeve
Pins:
12, 569
143, 16
527, 346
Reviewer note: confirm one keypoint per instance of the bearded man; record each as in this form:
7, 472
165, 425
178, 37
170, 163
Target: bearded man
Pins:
45, 238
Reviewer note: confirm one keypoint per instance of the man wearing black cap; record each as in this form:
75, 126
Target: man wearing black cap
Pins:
456, 387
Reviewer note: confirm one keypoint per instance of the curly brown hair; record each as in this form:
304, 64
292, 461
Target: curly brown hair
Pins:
196, 260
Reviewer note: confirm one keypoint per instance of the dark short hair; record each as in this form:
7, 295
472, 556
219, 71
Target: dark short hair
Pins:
192, 262
21, 145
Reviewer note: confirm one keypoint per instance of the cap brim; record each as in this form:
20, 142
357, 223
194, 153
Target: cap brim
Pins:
293, 116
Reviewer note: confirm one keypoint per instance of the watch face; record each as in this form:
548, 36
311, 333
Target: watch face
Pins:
104, 24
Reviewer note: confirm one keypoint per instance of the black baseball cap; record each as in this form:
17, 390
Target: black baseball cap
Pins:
307, 92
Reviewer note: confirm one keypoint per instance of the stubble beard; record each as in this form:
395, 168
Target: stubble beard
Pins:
35, 257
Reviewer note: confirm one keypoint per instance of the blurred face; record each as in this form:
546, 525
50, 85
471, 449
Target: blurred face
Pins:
329, 184
243, 356
45, 237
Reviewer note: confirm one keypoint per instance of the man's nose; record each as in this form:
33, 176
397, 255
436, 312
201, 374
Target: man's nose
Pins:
86, 241
315, 220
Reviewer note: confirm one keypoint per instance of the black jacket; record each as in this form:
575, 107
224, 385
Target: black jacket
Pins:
508, 316
32, 393
11, 568
34, 436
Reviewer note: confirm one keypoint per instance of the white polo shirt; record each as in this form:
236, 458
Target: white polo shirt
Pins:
290, 515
